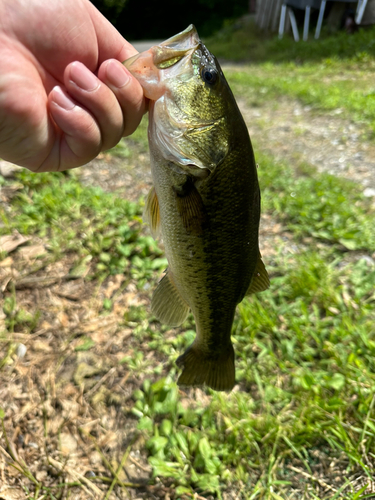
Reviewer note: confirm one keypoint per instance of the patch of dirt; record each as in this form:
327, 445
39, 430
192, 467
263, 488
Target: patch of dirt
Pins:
64, 404
291, 131
130, 179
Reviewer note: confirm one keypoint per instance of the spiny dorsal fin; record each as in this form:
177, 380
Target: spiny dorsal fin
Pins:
151, 213
191, 208
260, 280
167, 304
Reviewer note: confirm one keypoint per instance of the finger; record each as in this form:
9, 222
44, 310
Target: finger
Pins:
80, 139
25, 137
93, 95
128, 92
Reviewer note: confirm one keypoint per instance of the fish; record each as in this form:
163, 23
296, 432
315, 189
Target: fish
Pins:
204, 203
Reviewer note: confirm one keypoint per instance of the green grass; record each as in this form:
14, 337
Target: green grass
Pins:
305, 349
305, 363
99, 229
319, 85
243, 41
319, 205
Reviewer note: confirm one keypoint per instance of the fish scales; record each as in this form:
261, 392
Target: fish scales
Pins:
205, 202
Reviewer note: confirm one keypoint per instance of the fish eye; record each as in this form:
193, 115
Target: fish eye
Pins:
209, 75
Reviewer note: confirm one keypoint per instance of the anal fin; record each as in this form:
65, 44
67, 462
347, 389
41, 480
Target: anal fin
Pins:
202, 368
260, 280
151, 213
167, 304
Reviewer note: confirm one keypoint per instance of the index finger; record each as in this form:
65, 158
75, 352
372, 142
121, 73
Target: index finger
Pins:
128, 92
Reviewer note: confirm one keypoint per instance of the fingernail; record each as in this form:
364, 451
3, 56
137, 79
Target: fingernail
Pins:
117, 74
61, 99
83, 77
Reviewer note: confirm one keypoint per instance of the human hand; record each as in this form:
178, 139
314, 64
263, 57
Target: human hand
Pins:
55, 113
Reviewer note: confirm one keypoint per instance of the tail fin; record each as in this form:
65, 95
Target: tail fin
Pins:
200, 367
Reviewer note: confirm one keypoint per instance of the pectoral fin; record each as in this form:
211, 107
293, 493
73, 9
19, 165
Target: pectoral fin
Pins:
167, 304
260, 280
191, 208
151, 213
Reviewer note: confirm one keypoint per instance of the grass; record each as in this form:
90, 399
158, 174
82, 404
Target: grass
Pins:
305, 364
85, 221
352, 94
333, 73
242, 41
301, 424
322, 206
305, 348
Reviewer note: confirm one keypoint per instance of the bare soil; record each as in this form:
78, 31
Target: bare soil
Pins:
67, 412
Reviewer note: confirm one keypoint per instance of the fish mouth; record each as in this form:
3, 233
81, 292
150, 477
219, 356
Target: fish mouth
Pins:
171, 51
185, 40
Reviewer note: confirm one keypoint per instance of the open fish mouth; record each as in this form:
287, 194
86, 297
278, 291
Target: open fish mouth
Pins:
169, 52
187, 39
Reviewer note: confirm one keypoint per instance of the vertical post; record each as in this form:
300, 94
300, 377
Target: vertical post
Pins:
360, 11
320, 19
276, 8
293, 22
282, 20
306, 23
267, 15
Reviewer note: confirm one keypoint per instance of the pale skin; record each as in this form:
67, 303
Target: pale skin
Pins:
64, 94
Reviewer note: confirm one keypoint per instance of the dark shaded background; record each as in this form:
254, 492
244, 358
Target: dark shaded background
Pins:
150, 19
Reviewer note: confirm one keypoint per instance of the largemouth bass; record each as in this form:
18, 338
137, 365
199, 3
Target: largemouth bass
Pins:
205, 202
